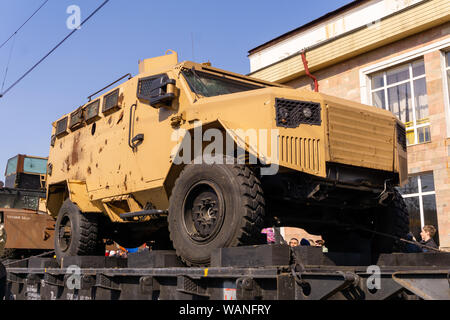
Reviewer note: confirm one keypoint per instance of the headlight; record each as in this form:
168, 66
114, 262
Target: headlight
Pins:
307, 112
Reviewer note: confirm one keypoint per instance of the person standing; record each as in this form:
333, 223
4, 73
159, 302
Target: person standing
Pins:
293, 242
427, 235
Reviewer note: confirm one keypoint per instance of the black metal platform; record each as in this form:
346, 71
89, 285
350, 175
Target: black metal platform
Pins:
242, 273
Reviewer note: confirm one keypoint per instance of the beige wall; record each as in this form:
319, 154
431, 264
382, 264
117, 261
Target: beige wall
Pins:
344, 80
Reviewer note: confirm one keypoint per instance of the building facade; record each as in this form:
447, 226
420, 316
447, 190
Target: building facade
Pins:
392, 54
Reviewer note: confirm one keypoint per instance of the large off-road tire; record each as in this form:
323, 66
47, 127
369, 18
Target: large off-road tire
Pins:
76, 233
214, 206
392, 219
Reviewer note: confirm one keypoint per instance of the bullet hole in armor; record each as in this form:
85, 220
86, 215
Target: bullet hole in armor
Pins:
94, 126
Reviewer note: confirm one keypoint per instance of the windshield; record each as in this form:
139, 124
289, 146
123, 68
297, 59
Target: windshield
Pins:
11, 166
209, 85
35, 165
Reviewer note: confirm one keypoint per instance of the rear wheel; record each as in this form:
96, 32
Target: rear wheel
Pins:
214, 206
77, 233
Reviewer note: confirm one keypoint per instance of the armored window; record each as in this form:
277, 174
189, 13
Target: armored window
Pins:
403, 91
145, 88
61, 127
156, 90
91, 111
52, 140
111, 102
76, 119
209, 85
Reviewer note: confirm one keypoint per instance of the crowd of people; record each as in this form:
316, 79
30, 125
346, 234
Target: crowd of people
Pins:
426, 244
123, 252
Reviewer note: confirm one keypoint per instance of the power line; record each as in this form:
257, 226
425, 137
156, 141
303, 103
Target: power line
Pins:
51, 51
15, 32
7, 64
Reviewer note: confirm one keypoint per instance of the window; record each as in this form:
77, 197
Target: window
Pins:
402, 90
35, 165
11, 166
447, 69
420, 198
209, 85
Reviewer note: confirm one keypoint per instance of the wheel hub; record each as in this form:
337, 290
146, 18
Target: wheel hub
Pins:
205, 215
65, 234
203, 212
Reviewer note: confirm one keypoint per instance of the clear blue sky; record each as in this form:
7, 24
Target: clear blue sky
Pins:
113, 41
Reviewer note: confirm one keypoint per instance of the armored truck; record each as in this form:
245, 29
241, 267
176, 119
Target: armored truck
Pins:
198, 158
22, 208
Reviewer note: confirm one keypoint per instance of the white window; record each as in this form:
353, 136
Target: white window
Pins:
402, 90
420, 198
447, 69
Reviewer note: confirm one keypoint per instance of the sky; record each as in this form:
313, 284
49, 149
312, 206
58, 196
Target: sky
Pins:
110, 45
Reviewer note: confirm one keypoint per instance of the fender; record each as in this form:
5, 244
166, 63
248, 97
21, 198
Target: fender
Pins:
239, 136
75, 190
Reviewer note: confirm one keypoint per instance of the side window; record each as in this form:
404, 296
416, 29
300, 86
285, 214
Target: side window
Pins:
111, 102
35, 165
11, 166
157, 91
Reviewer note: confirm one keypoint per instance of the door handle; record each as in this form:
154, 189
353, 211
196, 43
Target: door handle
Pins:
137, 140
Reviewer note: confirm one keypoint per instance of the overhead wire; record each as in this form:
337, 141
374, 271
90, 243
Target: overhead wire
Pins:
23, 24
8, 62
52, 50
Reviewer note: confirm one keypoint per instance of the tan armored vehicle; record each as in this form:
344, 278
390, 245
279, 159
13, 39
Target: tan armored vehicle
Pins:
211, 157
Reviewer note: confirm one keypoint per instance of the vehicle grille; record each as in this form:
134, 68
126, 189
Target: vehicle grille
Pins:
292, 113
300, 153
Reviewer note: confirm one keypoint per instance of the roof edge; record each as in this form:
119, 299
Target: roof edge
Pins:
326, 16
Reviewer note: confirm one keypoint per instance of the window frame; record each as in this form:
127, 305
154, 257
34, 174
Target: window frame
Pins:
420, 194
414, 127
446, 86
365, 72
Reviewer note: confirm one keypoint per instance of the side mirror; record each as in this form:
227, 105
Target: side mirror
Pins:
157, 91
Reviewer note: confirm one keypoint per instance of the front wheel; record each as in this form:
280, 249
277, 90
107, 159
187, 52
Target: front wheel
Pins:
214, 206
77, 233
